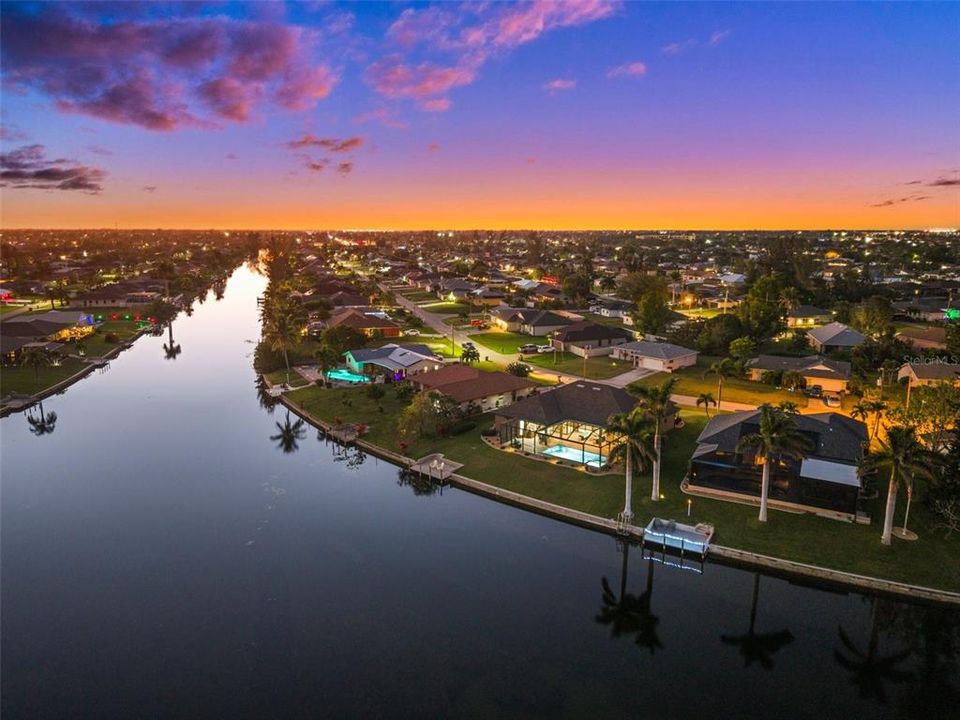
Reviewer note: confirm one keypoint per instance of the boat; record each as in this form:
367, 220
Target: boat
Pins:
685, 538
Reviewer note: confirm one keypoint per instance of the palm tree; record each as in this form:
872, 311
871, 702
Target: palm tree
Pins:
469, 355
706, 399
81, 347
861, 410
37, 357
758, 647
284, 320
636, 430
723, 369
778, 437
907, 460
870, 671
42, 424
876, 406
655, 400
327, 359
289, 434
791, 408
792, 380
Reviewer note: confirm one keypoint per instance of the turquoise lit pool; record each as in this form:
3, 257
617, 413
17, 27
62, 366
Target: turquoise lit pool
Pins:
346, 376
578, 456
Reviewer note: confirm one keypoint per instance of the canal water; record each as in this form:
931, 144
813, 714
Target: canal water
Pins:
165, 554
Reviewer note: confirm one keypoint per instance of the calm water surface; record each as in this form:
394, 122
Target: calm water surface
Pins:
163, 557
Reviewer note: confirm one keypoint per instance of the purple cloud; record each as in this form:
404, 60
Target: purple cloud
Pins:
633, 69
559, 85
28, 167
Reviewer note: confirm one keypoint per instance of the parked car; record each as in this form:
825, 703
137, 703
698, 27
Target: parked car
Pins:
412, 332
544, 348
467, 344
528, 349
813, 391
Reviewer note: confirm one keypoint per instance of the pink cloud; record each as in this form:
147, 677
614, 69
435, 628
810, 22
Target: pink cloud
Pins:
345, 168
676, 48
718, 37
395, 79
558, 85
162, 74
436, 105
384, 116
432, 147
334, 145
633, 69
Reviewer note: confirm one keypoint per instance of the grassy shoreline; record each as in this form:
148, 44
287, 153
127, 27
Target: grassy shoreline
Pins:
804, 538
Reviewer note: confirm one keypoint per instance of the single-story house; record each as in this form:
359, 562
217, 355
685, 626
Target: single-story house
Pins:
835, 336
342, 299
567, 423
528, 321
826, 479
369, 323
473, 389
588, 339
612, 308
929, 309
929, 373
662, 357
929, 338
400, 361
830, 375
487, 297
808, 316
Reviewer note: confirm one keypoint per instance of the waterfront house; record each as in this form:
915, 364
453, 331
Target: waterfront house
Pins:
808, 316
830, 375
826, 479
370, 324
398, 361
588, 339
662, 357
475, 390
835, 336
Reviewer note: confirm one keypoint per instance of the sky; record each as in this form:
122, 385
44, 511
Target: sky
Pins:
581, 114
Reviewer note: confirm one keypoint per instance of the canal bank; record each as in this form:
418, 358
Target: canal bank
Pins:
732, 556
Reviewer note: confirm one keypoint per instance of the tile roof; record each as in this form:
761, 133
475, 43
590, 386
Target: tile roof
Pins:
581, 401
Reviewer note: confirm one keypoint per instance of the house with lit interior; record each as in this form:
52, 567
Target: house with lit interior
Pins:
832, 376
398, 361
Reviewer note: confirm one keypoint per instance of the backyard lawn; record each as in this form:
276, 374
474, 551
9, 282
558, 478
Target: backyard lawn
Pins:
447, 308
279, 377
23, 380
801, 537
417, 296
693, 383
506, 342
598, 368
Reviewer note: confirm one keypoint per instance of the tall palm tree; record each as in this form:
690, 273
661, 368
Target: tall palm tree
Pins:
637, 432
42, 424
870, 671
861, 410
777, 437
723, 369
289, 434
907, 459
170, 348
706, 399
284, 321
655, 400
876, 406
756, 647
37, 357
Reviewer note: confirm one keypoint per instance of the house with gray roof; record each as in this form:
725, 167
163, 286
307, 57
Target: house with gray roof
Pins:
825, 480
929, 373
662, 357
835, 336
400, 361
830, 375
808, 316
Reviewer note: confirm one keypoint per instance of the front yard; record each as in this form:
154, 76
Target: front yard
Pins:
931, 561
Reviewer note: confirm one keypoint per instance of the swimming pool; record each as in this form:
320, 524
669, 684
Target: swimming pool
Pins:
579, 456
344, 375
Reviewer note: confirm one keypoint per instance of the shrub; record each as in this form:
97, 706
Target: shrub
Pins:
461, 426
519, 369
375, 392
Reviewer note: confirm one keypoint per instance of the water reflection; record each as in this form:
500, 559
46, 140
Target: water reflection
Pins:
171, 349
420, 484
870, 670
628, 614
41, 423
267, 401
289, 434
754, 646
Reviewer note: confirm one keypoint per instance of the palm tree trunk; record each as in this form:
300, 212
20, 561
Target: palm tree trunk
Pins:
876, 424
286, 361
906, 515
756, 594
628, 491
719, 391
655, 492
623, 570
887, 536
764, 489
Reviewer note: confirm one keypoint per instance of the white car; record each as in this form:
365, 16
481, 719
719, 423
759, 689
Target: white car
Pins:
544, 348
412, 332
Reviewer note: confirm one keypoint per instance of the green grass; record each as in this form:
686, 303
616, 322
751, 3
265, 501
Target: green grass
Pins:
804, 538
692, 383
601, 320
419, 296
447, 308
704, 313
598, 368
4, 309
23, 381
507, 343
279, 377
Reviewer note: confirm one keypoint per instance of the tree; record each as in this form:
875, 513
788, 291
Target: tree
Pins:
637, 434
876, 406
469, 355
756, 647
742, 348
289, 434
760, 311
792, 380
906, 459
327, 359
718, 332
791, 408
283, 326
706, 399
519, 369
43, 423
37, 357
655, 400
428, 415
777, 437
723, 369
341, 338
872, 317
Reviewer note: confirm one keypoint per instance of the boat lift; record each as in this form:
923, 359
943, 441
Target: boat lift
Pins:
690, 542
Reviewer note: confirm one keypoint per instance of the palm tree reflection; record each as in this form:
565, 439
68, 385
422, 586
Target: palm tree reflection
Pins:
42, 423
758, 647
289, 434
629, 614
170, 348
869, 670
